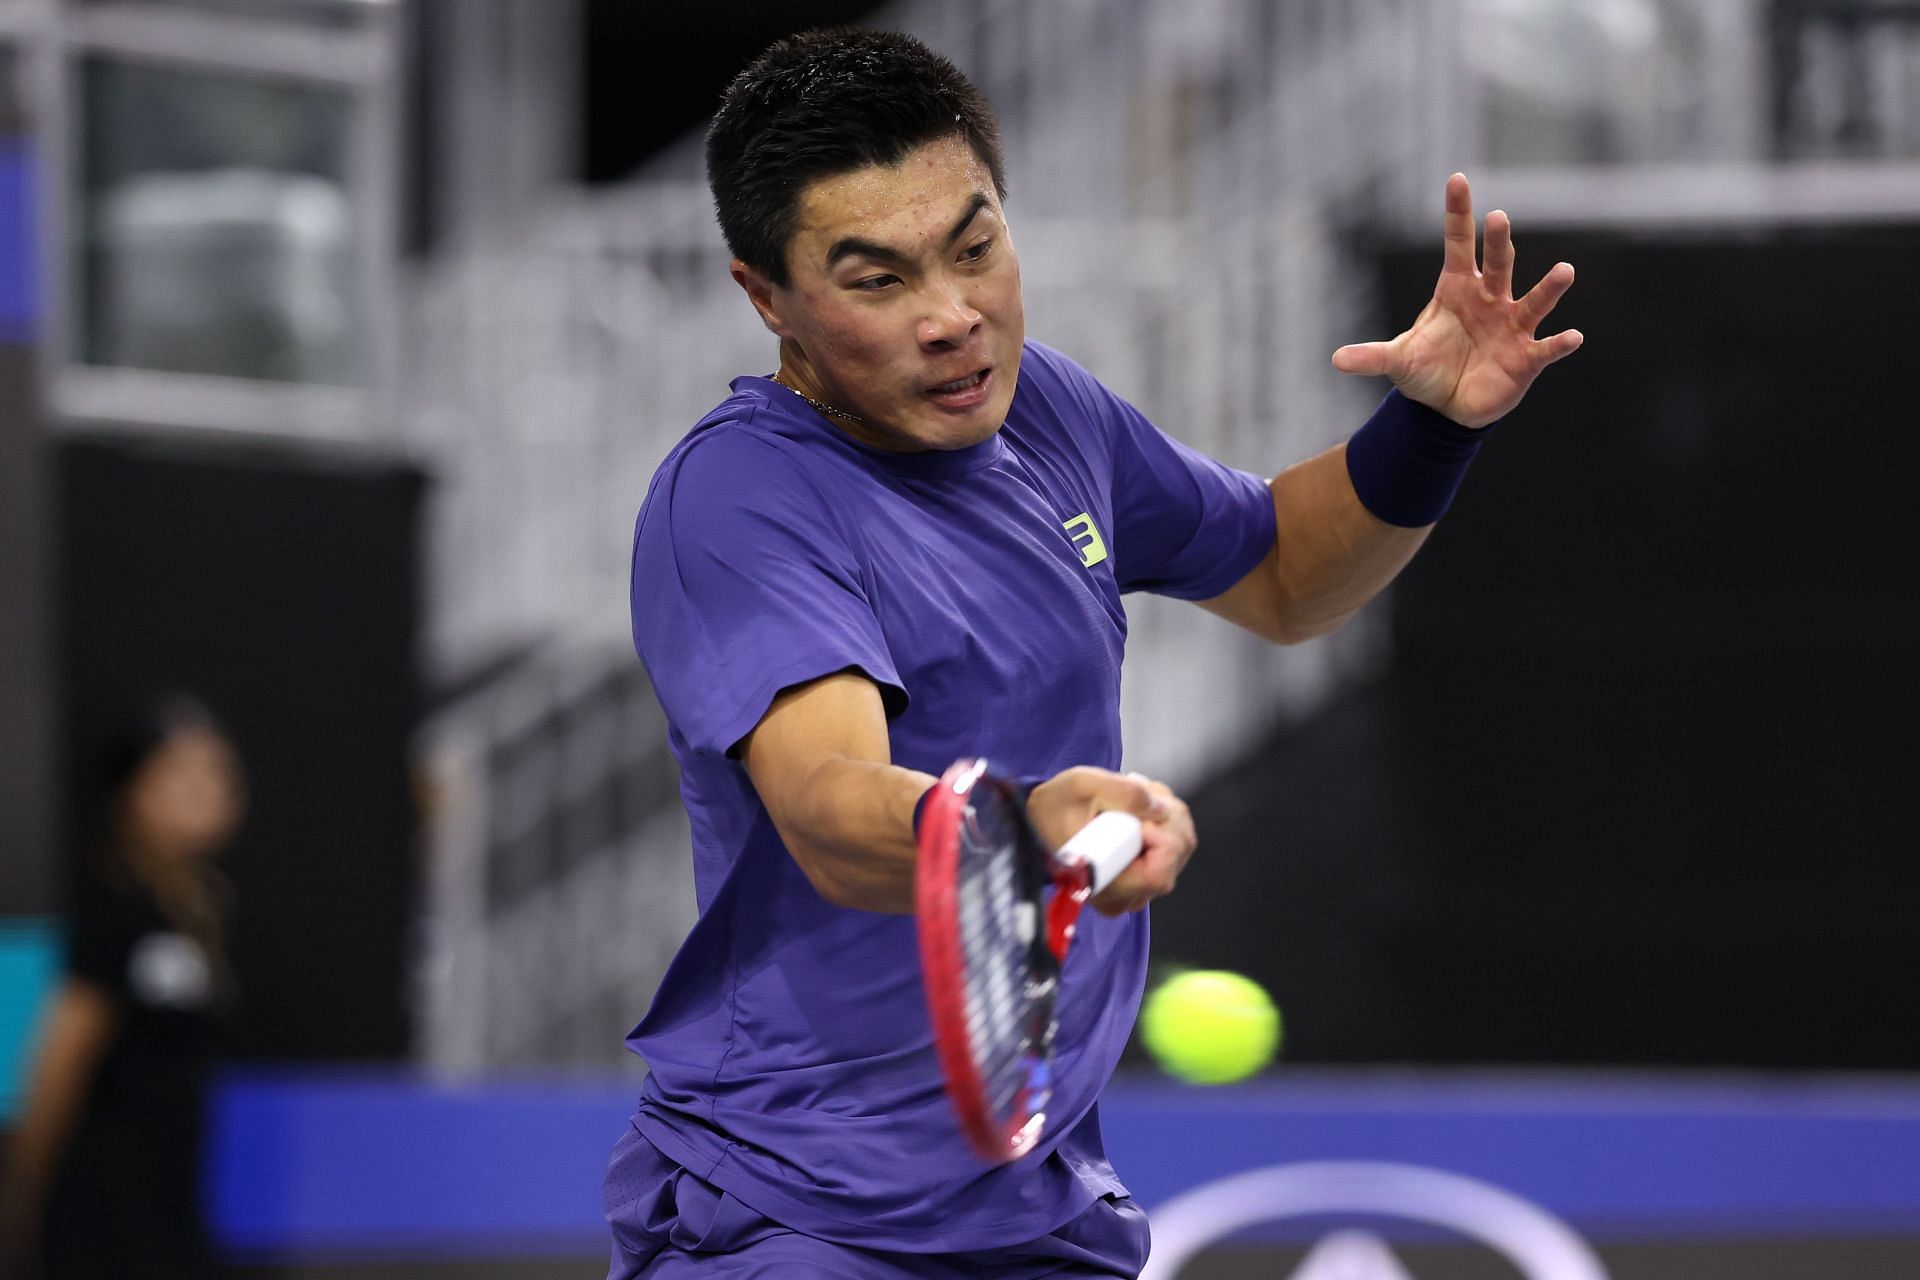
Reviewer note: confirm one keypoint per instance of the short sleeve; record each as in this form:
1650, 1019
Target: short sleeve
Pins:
745, 583
1184, 525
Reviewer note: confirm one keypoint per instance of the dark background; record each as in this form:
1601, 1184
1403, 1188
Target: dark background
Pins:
654, 72
1637, 784
281, 587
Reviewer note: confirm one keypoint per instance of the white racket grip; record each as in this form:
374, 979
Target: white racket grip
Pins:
1106, 845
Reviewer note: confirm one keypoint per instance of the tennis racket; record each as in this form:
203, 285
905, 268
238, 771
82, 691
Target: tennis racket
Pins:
992, 944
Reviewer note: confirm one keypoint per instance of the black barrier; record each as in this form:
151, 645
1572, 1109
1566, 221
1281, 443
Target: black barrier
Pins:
281, 587
1635, 786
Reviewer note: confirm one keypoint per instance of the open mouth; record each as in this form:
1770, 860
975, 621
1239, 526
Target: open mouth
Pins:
962, 393
961, 384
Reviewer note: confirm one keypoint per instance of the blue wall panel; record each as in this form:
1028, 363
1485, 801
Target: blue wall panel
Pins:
373, 1162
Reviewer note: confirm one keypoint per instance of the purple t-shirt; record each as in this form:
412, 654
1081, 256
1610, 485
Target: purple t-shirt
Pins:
790, 1055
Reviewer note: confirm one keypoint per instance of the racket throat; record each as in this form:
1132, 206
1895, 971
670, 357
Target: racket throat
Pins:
1072, 886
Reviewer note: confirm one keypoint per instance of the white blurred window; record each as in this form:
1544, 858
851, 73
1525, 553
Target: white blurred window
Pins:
218, 234
1617, 81
1665, 81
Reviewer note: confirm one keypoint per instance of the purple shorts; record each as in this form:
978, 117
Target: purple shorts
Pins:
668, 1224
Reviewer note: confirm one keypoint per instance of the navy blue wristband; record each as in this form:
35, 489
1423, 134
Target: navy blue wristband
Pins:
1407, 461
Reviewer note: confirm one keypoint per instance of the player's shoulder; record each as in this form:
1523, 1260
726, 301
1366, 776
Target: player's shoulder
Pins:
743, 455
1061, 410
1049, 367
745, 442
1057, 388
748, 429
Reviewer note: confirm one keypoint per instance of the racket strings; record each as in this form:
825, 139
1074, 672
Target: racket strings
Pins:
1008, 1013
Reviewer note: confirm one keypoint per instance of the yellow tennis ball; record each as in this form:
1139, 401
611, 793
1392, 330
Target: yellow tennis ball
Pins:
1209, 1026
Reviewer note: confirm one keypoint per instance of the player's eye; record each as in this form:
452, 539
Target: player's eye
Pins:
872, 283
975, 252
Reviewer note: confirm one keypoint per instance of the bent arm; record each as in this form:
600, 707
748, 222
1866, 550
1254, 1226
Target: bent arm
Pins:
1330, 557
1469, 358
79, 1027
822, 763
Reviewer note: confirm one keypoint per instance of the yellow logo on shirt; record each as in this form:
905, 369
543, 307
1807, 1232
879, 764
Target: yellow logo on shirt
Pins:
1092, 548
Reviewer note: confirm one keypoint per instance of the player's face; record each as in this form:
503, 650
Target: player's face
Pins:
903, 302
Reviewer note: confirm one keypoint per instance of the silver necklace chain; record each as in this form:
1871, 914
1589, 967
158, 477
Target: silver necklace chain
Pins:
823, 407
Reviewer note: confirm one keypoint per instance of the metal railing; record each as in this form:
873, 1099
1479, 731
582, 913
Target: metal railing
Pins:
558, 879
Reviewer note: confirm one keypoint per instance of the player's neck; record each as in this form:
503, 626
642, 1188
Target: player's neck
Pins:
796, 377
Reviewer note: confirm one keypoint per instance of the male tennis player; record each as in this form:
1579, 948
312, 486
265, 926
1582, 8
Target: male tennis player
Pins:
907, 545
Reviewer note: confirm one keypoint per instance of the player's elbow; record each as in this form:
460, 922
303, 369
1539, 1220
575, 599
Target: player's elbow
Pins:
1289, 611
817, 864
838, 889
850, 882
863, 894
1289, 621
1301, 630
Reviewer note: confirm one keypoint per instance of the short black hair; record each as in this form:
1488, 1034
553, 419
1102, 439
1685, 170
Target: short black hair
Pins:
826, 102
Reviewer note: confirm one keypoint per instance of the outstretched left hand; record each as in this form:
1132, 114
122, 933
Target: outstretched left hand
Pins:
1471, 353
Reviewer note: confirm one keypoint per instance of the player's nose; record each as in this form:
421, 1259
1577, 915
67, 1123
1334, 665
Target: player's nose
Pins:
950, 318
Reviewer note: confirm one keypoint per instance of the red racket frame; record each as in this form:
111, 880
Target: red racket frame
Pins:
935, 884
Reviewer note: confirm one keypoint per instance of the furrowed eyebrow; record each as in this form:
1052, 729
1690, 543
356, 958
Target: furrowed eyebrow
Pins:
974, 206
855, 246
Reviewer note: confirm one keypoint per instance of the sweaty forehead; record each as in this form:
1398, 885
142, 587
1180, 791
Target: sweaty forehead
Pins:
909, 206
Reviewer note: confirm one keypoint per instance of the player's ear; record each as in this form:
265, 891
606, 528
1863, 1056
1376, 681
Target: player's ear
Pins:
762, 293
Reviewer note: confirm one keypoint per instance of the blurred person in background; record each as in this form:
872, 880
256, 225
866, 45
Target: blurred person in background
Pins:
104, 1177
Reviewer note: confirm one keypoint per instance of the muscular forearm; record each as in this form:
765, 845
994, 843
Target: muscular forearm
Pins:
822, 763
1331, 556
850, 827
855, 841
